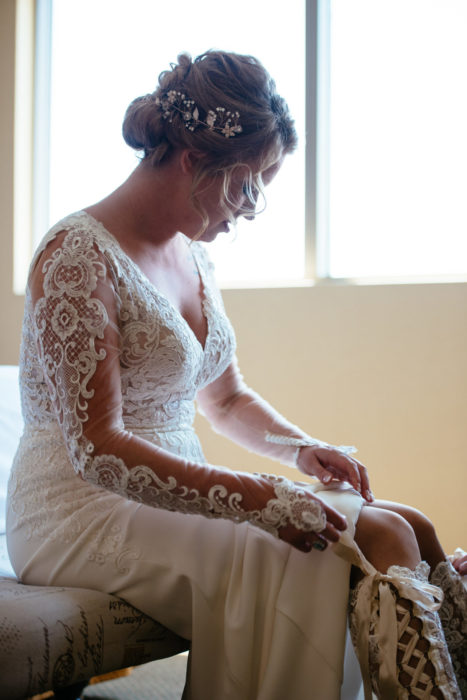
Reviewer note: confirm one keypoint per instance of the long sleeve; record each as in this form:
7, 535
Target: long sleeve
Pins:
239, 413
75, 309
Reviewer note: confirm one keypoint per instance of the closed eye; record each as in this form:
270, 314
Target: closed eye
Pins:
251, 194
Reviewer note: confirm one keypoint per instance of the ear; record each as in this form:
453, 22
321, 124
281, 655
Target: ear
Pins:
188, 160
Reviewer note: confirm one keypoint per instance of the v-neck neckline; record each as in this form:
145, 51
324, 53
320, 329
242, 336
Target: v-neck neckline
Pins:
204, 298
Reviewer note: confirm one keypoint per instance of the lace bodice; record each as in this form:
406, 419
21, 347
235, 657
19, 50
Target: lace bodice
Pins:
110, 365
162, 364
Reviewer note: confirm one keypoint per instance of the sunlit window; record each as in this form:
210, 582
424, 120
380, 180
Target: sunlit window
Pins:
107, 52
397, 138
383, 144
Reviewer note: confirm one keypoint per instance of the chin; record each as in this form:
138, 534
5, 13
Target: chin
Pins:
211, 233
207, 237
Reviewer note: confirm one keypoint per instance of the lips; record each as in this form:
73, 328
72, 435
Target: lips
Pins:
212, 233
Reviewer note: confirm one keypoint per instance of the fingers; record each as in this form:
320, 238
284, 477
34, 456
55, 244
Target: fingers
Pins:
324, 474
334, 519
331, 533
334, 464
365, 483
308, 541
343, 468
461, 565
304, 541
317, 543
348, 469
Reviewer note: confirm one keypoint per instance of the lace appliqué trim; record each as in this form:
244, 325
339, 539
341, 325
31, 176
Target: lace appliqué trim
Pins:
291, 506
453, 615
432, 631
68, 321
110, 546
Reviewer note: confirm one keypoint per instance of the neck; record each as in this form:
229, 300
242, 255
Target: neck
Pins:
147, 208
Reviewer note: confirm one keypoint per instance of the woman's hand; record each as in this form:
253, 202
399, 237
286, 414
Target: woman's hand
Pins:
298, 516
306, 541
460, 565
327, 463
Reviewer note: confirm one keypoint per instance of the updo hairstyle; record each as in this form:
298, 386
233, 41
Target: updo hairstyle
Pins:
234, 82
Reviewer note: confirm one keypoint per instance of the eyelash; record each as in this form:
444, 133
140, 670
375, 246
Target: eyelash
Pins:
246, 191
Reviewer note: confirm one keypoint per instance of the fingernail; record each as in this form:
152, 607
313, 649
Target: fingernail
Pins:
327, 478
369, 496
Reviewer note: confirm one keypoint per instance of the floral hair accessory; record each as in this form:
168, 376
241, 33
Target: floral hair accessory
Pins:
219, 119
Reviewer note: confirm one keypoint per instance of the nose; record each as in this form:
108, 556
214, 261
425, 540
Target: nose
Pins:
246, 210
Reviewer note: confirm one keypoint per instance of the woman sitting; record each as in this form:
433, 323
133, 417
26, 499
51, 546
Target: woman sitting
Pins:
124, 329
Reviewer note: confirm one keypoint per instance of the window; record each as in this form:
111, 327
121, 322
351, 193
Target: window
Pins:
106, 53
377, 187
397, 143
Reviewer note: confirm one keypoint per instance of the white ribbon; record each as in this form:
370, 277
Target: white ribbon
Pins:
375, 594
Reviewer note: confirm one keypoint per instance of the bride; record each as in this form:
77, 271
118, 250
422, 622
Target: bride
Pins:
124, 329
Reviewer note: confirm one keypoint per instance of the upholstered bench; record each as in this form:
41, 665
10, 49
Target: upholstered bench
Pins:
54, 638
58, 638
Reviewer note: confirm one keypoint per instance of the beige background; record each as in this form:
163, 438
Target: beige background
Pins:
382, 367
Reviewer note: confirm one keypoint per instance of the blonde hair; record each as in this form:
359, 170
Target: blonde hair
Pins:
214, 79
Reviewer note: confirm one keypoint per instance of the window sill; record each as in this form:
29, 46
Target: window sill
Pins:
341, 282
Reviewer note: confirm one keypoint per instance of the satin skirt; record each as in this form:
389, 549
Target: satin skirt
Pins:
265, 620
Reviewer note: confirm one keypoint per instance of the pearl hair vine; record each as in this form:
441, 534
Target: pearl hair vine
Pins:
220, 119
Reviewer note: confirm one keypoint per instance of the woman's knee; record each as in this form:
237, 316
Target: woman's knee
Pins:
386, 538
383, 526
420, 523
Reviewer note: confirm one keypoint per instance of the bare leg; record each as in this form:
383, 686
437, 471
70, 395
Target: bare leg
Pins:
453, 611
431, 550
397, 536
386, 538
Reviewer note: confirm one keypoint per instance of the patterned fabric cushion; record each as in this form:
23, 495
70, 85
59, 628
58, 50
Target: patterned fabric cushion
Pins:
54, 637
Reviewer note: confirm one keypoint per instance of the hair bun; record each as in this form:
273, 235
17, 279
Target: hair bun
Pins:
135, 124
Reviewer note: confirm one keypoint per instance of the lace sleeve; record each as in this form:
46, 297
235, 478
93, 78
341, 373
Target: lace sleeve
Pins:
236, 411
76, 305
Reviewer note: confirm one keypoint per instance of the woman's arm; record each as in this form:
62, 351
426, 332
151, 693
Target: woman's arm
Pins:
76, 326
238, 412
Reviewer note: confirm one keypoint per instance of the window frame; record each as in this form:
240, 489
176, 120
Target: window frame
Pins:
32, 153
317, 162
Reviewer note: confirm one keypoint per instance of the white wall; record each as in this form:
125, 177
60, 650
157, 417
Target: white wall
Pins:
382, 367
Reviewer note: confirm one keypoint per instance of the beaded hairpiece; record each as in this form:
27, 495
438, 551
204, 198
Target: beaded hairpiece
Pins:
218, 119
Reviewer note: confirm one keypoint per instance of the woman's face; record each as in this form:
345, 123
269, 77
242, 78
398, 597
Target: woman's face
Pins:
210, 199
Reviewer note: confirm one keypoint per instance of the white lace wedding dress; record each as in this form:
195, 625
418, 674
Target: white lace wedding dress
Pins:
110, 489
